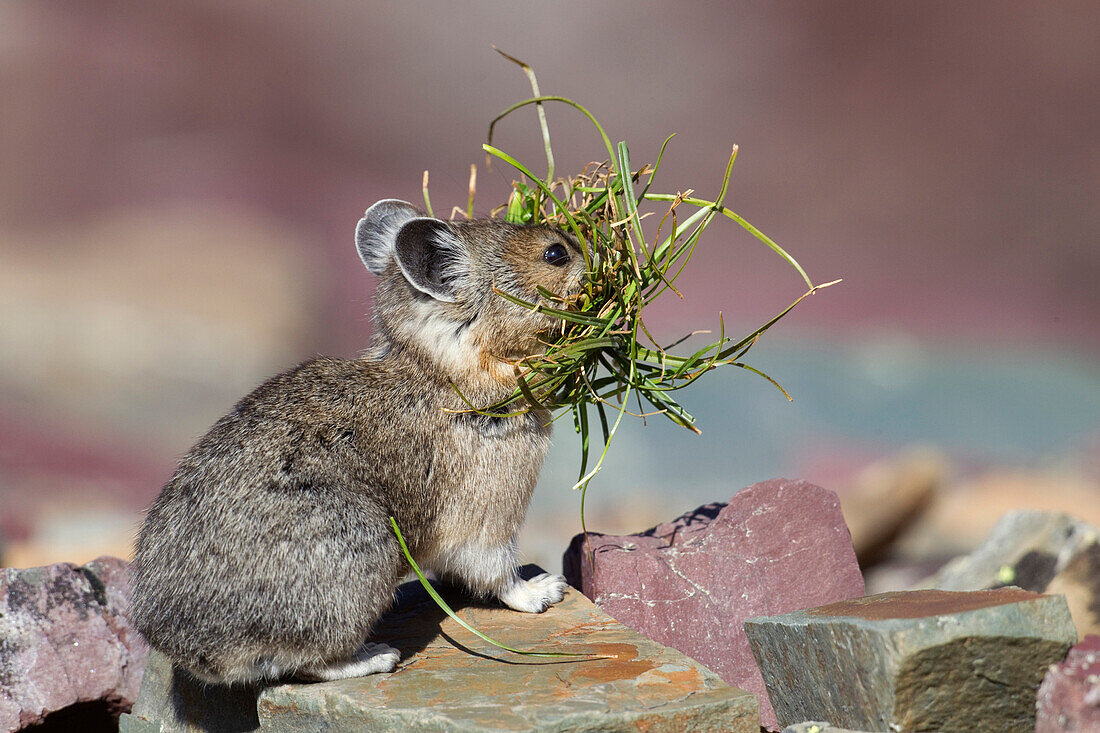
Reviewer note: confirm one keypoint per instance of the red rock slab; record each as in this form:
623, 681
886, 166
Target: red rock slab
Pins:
777, 546
921, 603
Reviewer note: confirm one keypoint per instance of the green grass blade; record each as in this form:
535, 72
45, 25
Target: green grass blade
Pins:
570, 316
653, 172
563, 100
759, 373
541, 112
623, 157
744, 224
583, 483
726, 353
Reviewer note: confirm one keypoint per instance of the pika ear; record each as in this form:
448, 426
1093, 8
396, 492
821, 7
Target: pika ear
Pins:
432, 257
376, 233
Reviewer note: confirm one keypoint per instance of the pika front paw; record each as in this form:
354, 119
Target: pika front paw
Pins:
534, 595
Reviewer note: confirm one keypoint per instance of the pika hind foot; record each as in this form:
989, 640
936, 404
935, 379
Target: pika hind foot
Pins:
534, 595
370, 659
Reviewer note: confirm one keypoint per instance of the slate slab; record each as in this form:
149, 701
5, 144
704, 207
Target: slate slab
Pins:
1069, 697
776, 546
914, 661
439, 686
67, 653
172, 702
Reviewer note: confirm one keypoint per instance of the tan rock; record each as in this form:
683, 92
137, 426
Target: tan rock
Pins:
1079, 582
887, 496
962, 516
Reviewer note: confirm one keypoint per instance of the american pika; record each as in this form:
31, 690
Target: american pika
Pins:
270, 554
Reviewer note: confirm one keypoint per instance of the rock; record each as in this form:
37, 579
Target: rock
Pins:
775, 547
923, 660
1079, 582
67, 651
1069, 697
449, 680
1025, 548
962, 514
888, 496
172, 702
1037, 551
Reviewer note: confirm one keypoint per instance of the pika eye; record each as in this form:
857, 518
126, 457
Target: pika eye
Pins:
556, 255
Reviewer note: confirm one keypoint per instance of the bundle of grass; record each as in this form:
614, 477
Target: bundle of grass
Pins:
603, 355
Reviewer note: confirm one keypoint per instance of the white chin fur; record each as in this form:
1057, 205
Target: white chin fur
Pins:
451, 346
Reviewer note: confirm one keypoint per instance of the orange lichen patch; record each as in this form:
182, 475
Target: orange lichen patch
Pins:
581, 630
620, 663
267, 707
921, 603
612, 670
686, 677
613, 650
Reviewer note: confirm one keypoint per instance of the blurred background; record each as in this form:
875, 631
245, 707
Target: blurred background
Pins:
180, 182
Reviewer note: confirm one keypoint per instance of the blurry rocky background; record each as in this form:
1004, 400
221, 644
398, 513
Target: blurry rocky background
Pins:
179, 184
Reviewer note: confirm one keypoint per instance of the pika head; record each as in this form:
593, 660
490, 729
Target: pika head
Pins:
437, 294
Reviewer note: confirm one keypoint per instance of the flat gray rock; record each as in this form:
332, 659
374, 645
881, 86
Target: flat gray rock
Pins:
448, 680
1045, 552
917, 661
172, 702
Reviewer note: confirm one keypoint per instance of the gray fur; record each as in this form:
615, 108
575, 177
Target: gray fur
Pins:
269, 553
377, 230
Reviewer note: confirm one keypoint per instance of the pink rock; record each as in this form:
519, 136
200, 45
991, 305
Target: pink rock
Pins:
1069, 696
65, 639
777, 546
